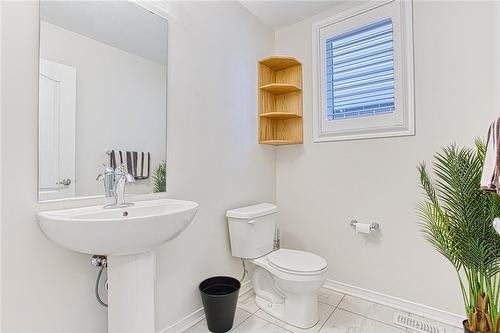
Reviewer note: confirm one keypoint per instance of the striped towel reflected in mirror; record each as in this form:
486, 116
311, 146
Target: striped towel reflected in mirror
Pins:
137, 162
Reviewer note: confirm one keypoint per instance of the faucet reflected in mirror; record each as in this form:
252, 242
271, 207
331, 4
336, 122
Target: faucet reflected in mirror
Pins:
114, 182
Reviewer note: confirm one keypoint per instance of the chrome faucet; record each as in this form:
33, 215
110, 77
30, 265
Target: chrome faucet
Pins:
114, 185
108, 180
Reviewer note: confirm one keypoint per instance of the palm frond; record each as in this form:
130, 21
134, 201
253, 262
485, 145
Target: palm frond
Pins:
160, 177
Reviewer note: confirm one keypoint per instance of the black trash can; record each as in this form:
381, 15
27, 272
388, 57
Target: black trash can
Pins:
220, 295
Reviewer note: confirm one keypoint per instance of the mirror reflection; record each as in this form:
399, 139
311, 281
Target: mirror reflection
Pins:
102, 99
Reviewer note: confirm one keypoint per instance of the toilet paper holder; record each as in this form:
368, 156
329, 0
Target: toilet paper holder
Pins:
373, 225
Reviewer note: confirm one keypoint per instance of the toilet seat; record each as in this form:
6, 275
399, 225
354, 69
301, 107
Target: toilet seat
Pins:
297, 262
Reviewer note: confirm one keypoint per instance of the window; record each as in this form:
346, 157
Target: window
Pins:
360, 72
363, 73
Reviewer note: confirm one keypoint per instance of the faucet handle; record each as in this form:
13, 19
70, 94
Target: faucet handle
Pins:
129, 178
122, 168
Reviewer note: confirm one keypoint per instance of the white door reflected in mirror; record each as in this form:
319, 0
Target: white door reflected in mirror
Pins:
57, 107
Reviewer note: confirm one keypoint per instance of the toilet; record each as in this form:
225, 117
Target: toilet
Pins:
285, 281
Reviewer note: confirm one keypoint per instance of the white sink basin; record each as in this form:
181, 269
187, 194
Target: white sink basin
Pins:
120, 231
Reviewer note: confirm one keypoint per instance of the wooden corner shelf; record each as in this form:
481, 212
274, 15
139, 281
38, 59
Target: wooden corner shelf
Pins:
280, 115
279, 142
280, 88
280, 101
277, 63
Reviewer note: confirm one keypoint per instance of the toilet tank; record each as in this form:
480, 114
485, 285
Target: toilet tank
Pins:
251, 230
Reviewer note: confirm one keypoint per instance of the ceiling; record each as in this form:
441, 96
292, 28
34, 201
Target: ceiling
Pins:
121, 24
279, 14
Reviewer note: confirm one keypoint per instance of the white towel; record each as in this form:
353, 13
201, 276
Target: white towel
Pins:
491, 167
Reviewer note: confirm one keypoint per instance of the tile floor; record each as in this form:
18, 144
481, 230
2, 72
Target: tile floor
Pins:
339, 313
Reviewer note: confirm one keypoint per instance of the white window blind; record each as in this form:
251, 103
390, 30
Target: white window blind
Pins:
360, 72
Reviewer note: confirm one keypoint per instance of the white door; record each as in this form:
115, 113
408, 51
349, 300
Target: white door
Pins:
57, 108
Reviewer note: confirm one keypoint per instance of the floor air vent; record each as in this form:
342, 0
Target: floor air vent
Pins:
416, 325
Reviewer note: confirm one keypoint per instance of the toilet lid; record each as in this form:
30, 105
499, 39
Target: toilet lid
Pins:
298, 261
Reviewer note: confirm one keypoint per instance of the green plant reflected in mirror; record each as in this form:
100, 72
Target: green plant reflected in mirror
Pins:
160, 177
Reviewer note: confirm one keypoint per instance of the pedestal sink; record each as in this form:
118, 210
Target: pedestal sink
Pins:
127, 236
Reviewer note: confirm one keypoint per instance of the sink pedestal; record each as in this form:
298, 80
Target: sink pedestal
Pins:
131, 293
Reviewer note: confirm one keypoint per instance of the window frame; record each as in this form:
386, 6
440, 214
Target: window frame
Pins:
402, 122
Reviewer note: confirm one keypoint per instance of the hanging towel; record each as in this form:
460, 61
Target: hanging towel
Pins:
137, 162
491, 168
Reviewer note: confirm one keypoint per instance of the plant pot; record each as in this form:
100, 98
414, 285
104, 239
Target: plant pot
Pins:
466, 330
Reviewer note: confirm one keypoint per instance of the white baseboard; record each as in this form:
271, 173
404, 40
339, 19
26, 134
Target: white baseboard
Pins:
394, 302
199, 314
185, 322
245, 287
397, 303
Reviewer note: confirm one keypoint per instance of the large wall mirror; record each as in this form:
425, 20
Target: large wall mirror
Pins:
102, 96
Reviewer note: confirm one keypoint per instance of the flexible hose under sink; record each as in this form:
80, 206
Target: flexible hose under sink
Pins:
97, 296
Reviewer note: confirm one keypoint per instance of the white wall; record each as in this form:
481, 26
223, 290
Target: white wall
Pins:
322, 186
45, 288
212, 150
120, 103
1, 136
212, 153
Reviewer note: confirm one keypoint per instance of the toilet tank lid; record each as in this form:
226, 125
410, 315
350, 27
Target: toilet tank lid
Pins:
251, 212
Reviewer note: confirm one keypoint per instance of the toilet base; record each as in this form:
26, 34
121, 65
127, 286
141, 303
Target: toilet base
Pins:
300, 316
275, 297
275, 310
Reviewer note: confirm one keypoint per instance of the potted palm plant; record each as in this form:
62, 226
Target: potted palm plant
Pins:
456, 218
